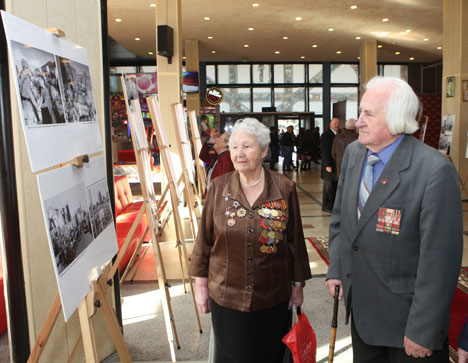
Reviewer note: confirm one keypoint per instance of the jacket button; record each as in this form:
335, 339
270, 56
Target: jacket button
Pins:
249, 245
349, 275
355, 248
250, 259
250, 230
251, 215
249, 273
249, 288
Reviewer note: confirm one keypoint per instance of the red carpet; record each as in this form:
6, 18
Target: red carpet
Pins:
458, 309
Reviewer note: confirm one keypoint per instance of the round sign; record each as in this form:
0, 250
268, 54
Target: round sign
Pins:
214, 95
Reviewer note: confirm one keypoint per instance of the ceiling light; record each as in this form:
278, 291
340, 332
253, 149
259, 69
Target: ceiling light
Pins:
439, 48
210, 37
150, 53
314, 46
213, 51
118, 20
385, 20
408, 30
397, 53
285, 38
411, 58
298, 18
246, 45
330, 29
255, 5
358, 38
152, 5
358, 57
277, 52
207, 18
251, 29
426, 39
353, 7
302, 56
338, 52
379, 46
184, 57
137, 39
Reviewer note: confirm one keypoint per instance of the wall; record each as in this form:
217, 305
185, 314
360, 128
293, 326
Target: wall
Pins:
81, 22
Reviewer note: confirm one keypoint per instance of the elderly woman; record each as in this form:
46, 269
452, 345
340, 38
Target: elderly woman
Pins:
250, 261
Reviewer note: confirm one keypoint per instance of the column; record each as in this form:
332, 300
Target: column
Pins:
192, 65
368, 62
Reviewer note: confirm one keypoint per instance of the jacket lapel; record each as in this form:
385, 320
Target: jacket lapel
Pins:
387, 183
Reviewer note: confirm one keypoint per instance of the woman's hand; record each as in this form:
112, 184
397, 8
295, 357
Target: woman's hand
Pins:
202, 296
297, 296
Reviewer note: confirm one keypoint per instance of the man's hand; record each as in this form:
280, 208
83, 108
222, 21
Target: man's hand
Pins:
462, 355
202, 296
331, 283
328, 168
415, 350
297, 297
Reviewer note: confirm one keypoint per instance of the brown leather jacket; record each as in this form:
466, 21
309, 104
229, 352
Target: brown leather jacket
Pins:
248, 271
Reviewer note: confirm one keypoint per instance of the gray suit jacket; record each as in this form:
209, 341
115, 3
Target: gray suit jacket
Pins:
401, 284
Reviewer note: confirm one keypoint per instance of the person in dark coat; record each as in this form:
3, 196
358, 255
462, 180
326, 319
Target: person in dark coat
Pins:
274, 147
342, 140
328, 170
287, 145
463, 344
316, 145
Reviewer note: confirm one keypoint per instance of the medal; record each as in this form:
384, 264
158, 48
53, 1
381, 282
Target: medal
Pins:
274, 213
274, 249
266, 211
236, 204
231, 222
263, 249
241, 213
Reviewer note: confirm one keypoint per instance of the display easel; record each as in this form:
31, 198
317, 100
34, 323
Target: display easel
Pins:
140, 147
96, 298
462, 182
158, 127
197, 145
185, 154
423, 133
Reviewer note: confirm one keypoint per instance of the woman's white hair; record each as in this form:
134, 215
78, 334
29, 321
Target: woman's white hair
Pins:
402, 108
254, 127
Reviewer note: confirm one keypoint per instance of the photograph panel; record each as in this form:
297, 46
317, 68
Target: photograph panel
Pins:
99, 207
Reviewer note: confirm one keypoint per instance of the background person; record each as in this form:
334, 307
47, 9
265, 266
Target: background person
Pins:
287, 148
328, 169
463, 344
250, 260
396, 233
341, 141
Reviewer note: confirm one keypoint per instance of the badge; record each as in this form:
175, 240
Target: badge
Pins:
236, 204
231, 222
241, 213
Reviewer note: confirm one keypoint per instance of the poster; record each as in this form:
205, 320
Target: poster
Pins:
54, 92
80, 227
446, 132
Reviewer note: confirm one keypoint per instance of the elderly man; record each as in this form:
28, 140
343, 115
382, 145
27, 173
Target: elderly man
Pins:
328, 169
395, 233
341, 141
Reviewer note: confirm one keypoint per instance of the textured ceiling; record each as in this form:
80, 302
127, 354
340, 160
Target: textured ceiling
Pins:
274, 19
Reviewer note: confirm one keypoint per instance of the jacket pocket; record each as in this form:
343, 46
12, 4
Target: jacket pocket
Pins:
404, 285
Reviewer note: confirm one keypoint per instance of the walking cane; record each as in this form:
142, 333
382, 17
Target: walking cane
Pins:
334, 325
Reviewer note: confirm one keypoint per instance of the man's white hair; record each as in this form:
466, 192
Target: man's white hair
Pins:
402, 107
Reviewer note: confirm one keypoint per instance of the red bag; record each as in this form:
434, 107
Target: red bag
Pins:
301, 339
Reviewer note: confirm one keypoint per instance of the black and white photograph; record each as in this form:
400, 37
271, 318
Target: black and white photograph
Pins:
99, 207
41, 100
69, 225
446, 133
77, 90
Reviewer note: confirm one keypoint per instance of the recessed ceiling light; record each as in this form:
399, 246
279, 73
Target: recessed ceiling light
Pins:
251, 29
302, 56
150, 53
358, 38
137, 39
213, 51
246, 45
408, 30
385, 20
184, 57
358, 57
353, 7
118, 20
411, 58
314, 46
426, 39
255, 5
152, 5
299, 18
439, 48
338, 52
277, 52
330, 29
379, 46
397, 53
285, 38
207, 18
210, 37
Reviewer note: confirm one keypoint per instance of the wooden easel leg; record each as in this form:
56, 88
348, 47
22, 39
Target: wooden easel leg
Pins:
139, 262
89, 342
112, 323
134, 256
46, 329
182, 267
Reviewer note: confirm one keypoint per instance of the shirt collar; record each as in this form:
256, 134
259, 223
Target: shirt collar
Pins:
388, 151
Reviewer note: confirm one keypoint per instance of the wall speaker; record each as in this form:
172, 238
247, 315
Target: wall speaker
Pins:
165, 42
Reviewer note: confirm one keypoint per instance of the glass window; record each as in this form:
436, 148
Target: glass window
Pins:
233, 73
261, 73
396, 70
290, 99
315, 73
316, 100
210, 74
261, 98
344, 73
319, 124
235, 100
289, 73
348, 94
